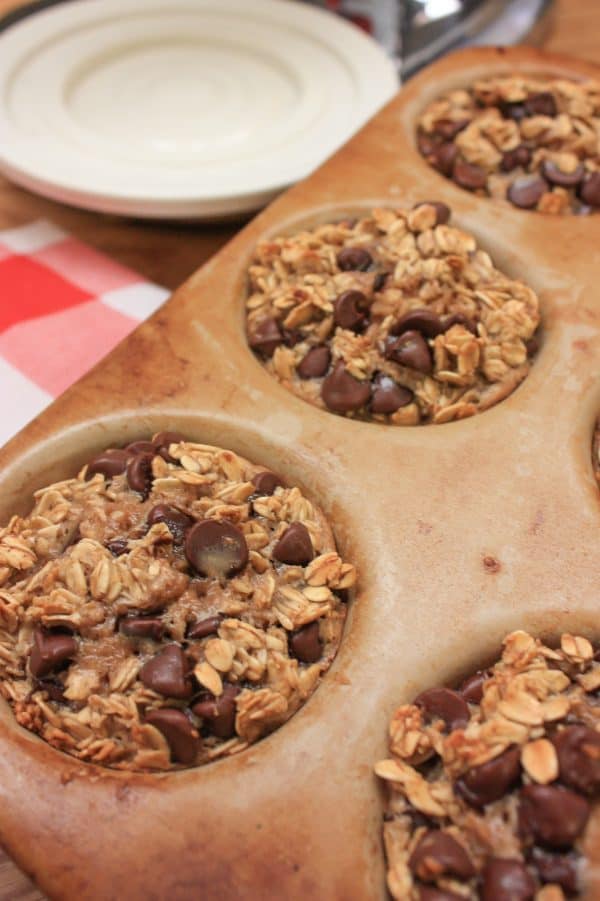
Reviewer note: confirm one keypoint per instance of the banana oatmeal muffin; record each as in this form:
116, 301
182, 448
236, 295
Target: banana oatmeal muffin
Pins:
532, 140
490, 787
396, 317
170, 605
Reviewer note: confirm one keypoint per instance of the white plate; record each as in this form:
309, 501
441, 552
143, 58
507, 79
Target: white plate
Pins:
189, 109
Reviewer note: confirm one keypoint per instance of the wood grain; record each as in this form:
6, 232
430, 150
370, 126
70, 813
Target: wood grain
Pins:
167, 254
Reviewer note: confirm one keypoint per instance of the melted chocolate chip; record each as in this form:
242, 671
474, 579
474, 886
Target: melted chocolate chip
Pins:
139, 473
219, 713
542, 104
507, 880
117, 546
590, 189
449, 128
431, 893
443, 157
266, 482
387, 396
142, 627
305, 643
216, 548
175, 520
514, 111
472, 688
141, 447
578, 750
438, 854
54, 690
315, 363
266, 337
181, 736
350, 310
343, 393
420, 320
512, 159
164, 440
354, 259
486, 783
109, 463
166, 673
295, 546
526, 191
469, 176
556, 176
411, 350
49, 651
446, 705
204, 627
552, 815
559, 869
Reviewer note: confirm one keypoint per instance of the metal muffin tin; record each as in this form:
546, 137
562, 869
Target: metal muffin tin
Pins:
460, 533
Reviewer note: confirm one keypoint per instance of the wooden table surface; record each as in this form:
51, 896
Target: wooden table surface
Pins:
167, 254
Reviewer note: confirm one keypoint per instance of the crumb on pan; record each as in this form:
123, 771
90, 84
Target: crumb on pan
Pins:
170, 605
397, 317
490, 787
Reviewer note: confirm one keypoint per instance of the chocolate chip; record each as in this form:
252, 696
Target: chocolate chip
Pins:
204, 627
109, 463
438, 854
266, 482
380, 280
166, 673
469, 176
514, 111
295, 546
512, 159
444, 157
426, 143
552, 815
526, 191
142, 627
216, 548
181, 736
411, 350
449, 128
342, 393
315, 363
442, 211
559, 869
54, 690
305, 643
175, 519
219, 713
354, 259
556, 176
266, 336
532, 345
141, 447
486, 783
542, 104
420, 320
387, 396
162, 442
49, 651
431, 893
590, 189
578, 750
139, 473
350, 310
460, 319
505, 879
444, 704
117, 546
472, 688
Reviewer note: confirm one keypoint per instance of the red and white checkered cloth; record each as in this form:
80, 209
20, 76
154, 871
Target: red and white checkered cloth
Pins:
63, 306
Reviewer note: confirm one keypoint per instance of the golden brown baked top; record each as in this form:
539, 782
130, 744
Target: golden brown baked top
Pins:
170, 605
395, 317
490, 786
532, 140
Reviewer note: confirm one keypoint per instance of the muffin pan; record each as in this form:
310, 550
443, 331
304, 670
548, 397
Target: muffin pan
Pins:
459, 534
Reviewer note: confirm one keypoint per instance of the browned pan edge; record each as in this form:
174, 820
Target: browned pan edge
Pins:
417, 510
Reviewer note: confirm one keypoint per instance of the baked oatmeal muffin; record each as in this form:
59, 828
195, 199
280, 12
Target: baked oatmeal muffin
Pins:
532, 140
397, 317
490, 786
170, 605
